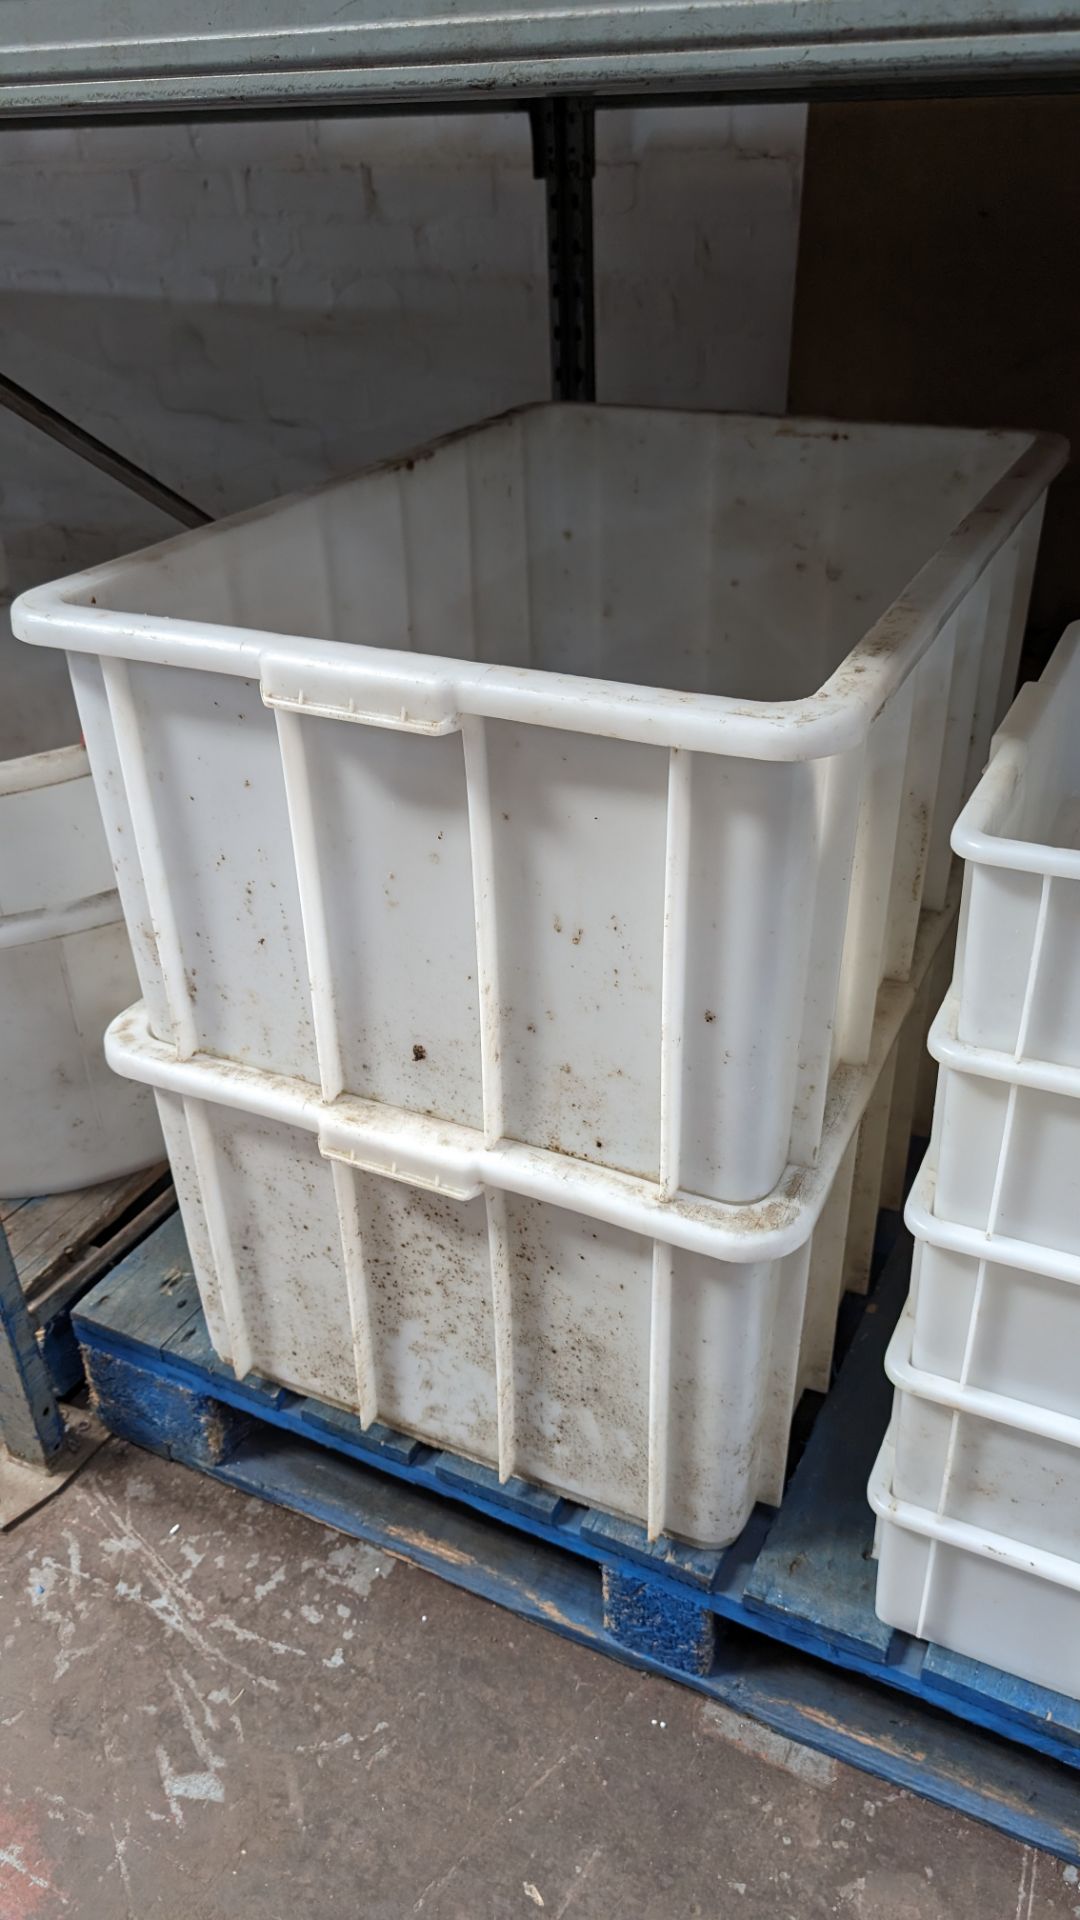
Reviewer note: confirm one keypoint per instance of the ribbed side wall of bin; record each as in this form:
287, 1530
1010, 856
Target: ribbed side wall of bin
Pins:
637, 919
549, 1318
524, 848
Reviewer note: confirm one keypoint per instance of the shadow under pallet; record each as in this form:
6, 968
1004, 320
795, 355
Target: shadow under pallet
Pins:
780, 1626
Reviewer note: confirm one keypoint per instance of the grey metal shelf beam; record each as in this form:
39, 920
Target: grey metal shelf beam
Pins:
170, 56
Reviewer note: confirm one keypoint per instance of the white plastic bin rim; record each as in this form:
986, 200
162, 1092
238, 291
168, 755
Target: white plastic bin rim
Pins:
54, 923
997, 1249
960, 1056
50, 769
977, 835
444, 1157
998, 1547
978, 1402
422, 693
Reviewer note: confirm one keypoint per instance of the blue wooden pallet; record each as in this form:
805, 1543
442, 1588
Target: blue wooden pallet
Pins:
780, 1626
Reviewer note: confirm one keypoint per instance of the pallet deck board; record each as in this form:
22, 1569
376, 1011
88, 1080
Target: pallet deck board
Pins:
63, 1243
151, 1297
817, 1555
952, 1676
45, 1232
45, 1235
789, 1607
520, 1496
626, 1539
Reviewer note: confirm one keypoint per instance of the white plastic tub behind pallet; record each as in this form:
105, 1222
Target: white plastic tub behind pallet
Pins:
606, 787
65, 971
547, 1317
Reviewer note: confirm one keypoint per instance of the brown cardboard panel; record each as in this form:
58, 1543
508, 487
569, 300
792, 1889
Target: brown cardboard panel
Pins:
939, 281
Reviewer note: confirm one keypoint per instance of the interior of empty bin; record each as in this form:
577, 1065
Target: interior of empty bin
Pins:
712, 554
552, 911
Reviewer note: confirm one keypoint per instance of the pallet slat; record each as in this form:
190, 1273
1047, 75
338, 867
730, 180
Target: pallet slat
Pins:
815, 1567
151, 1296
62, 1243
46, 1234
952, 1676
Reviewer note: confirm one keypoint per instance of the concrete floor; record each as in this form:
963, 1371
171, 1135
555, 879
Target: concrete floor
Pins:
212, 1709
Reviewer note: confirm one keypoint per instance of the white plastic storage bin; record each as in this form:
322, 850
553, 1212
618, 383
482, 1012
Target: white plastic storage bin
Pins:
978, 1486
992, 1313
542, 1315
978, 1456
1005, 1142
987, 1596
1018, 985
65, 970
578, 780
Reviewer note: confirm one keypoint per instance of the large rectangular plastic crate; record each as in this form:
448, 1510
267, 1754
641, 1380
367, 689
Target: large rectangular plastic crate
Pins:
1018, 982
995, 1313
578, 781
990, 1596
546, 1317
978, 1487
976, 1455
1006, 1134
1005, 1144
978, 1504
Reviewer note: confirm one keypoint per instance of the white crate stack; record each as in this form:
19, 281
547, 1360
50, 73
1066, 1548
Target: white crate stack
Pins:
978, 1485
535, 853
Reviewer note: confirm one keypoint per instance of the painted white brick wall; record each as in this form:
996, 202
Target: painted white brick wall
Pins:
247, 308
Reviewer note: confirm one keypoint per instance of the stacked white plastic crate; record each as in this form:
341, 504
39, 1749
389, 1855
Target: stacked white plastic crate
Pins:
65, 960
978, 1484
521, 954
